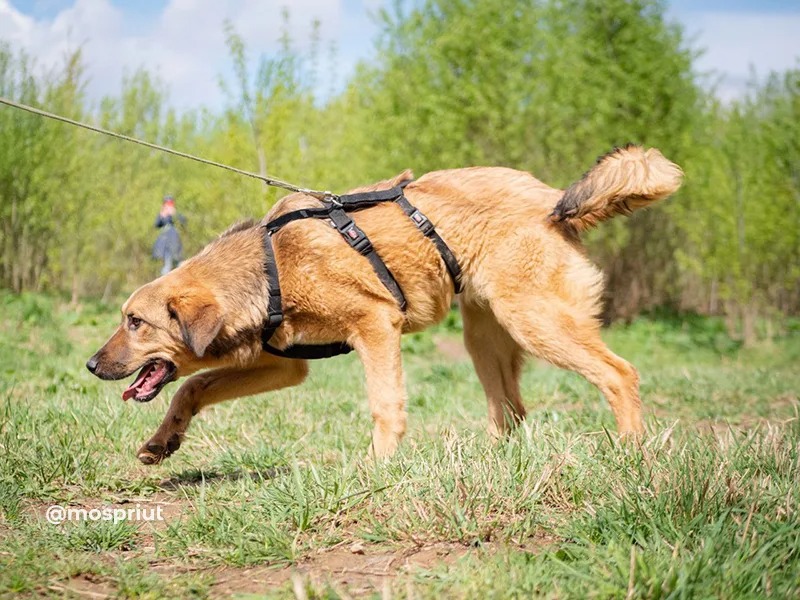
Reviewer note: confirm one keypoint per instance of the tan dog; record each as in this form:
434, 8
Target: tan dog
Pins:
528, 289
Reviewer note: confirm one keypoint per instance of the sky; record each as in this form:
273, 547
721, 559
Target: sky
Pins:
183, 40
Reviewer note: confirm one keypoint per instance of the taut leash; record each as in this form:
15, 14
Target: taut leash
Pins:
320, 195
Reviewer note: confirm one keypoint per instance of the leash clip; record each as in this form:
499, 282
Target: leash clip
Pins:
330, 197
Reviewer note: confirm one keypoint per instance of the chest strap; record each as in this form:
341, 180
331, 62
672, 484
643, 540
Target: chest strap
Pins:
275, 315
358, 240
429, 231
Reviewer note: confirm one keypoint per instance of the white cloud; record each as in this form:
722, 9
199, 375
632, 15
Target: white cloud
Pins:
13, 24
185, 45
185, 42
91, 24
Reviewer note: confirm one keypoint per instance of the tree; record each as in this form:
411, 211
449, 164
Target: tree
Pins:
545, 87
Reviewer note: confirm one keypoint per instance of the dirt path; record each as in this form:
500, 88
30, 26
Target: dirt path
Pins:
359, 569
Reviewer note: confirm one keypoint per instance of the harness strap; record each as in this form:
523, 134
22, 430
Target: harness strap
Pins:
336, 211
275, 316
428, 230
303, 213
366, 199
354, 236
310, 351
351, 233
274, 300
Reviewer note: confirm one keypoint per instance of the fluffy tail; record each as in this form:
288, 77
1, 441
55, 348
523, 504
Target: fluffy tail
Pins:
621, 181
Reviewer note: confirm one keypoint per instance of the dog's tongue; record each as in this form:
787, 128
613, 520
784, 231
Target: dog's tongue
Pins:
133, 388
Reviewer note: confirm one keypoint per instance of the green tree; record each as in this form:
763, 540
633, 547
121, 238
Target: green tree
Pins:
542, 86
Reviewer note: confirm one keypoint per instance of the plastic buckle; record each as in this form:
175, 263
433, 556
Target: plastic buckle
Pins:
357, 239
422, 222
351, 232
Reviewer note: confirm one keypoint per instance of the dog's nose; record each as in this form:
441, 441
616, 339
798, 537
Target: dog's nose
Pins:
91, 364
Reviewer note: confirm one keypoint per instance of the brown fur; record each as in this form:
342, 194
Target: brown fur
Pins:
529, 289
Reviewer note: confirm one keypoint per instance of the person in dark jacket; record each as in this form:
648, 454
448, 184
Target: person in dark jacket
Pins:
168, 246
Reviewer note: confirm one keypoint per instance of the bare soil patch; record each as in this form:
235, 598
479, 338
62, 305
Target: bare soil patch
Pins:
356, 568
85, 585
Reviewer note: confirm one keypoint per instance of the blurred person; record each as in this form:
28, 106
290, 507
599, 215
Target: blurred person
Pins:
168, 246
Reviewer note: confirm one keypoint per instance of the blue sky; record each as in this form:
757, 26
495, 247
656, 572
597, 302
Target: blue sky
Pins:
182, 40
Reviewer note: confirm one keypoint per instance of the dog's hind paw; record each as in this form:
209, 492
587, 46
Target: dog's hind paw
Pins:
154, 451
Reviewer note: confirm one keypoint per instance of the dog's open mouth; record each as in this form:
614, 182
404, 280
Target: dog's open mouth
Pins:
148, 383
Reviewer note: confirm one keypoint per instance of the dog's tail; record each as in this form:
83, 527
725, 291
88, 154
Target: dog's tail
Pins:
621, 181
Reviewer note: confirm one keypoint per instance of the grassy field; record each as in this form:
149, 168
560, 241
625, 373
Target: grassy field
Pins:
271, 495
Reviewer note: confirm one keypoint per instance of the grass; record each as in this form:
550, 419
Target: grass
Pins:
270, 496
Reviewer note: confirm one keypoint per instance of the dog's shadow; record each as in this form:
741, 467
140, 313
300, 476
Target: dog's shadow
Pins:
198, 477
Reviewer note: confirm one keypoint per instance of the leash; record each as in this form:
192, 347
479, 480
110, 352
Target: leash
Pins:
319, 195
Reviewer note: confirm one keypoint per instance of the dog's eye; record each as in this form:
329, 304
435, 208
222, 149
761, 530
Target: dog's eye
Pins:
134, 322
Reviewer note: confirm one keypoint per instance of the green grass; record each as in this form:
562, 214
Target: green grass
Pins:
273, 485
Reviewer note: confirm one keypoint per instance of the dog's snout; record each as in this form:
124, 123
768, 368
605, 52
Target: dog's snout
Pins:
91, 364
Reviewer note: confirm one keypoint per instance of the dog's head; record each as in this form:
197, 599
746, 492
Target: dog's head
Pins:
167, 326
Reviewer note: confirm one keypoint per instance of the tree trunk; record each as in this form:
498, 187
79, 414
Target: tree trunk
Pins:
75, 291
107, 292
749, 325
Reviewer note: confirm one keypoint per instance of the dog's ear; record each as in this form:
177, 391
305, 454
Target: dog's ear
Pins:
200, 319
405, 176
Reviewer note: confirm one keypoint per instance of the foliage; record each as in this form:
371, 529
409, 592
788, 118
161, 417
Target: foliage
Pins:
543, 86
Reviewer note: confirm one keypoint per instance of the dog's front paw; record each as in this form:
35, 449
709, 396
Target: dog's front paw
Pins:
156, 450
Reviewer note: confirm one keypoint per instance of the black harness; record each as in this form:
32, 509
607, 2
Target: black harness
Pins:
336, 212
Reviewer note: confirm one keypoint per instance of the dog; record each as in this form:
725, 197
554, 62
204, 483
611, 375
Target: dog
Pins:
529, 289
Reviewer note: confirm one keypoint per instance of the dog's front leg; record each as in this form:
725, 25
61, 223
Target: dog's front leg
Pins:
378, 346
210, 387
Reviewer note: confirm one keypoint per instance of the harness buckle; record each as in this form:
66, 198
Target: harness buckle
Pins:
355, 237
421, 221
350, 231
363, 245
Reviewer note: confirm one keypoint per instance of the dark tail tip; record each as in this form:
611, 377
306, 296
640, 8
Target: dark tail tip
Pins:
570, 202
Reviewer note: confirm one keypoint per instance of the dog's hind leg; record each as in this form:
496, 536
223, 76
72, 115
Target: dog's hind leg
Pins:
498, 361
211, 387
552, 329
378, 345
